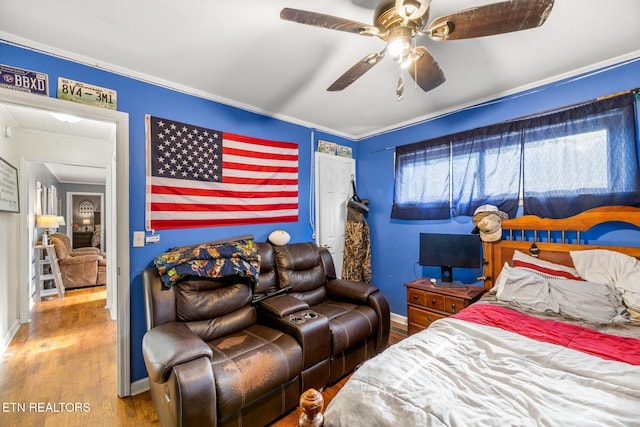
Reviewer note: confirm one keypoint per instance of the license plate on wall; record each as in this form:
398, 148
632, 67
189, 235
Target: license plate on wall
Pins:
84, 93
24, 80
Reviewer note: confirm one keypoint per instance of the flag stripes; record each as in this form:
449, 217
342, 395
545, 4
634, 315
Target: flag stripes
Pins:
198, 177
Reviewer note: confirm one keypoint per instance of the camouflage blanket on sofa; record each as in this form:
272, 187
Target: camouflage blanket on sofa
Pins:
239, 257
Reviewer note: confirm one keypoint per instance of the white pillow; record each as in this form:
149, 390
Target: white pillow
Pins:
613, 268
502, 278
593, 302
546, 269
527, 290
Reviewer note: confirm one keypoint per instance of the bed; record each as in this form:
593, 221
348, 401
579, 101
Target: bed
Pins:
553, 342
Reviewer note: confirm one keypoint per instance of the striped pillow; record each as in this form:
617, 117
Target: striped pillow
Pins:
546, 269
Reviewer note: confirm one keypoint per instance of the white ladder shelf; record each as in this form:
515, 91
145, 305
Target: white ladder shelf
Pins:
47, 269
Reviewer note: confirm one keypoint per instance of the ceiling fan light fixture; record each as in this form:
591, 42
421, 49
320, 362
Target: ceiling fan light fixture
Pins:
399, 43
398, 22
410, 59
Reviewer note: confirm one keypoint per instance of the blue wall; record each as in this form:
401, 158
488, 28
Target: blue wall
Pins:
138, 98
395, 243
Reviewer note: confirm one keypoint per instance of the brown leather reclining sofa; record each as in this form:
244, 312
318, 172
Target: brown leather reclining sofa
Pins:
220, 352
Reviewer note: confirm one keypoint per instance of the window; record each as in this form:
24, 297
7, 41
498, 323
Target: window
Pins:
422, 181
581, 158
561, 163
486, 169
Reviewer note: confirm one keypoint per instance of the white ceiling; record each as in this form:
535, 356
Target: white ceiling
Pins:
33, 120
76, 174
241, 53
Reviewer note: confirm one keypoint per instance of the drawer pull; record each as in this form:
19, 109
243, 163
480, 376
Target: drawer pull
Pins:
429, 318
415, 296
433, 301
453, 308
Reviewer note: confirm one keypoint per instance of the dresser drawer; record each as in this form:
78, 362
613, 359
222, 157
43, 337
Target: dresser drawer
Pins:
422, 317
453, 305
426, 299
427, 303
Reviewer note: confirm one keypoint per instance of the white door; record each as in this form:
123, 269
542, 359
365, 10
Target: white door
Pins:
333, 190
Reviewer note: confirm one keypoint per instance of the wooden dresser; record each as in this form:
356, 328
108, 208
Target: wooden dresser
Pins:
427, 303
82, 239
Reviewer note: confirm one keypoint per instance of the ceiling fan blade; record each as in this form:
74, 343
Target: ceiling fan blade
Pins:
355, 72
327, 21
496, 18
425, 70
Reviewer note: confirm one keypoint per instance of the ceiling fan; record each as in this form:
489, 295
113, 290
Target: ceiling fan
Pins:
398, 22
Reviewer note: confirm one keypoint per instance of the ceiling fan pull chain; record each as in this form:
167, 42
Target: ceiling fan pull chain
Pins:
400, 88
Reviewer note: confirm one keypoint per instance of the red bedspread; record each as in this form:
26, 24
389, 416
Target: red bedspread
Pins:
590, 341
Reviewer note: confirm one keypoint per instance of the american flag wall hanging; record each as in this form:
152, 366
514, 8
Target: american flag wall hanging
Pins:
198, 177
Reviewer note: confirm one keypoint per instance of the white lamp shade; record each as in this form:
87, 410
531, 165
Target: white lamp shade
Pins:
47, 221
61, 220
279, 237
86, 221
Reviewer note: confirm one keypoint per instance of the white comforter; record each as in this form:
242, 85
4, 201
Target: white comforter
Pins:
458, 373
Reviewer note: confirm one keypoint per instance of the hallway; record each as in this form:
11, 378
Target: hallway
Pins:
60, 369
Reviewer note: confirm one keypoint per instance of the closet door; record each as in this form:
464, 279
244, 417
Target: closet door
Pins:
333, 177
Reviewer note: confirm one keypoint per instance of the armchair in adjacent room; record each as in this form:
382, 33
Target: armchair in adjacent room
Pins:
80, 269
77, 251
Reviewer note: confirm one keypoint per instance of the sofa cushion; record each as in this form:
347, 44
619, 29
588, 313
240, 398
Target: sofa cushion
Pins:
62, 252
267, 280
349, 323
202, 299
251, 362
300, 266
214, 307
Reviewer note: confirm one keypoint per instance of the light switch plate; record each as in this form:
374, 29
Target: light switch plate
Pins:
138, 239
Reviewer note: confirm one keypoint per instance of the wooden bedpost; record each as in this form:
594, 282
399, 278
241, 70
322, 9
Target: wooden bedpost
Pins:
311, 405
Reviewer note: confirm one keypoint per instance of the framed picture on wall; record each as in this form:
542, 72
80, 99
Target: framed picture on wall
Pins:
38, 198
45, 200
53, 200
9, 200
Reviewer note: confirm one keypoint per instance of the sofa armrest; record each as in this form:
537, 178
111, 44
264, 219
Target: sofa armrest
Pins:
309, 328
85, 251
189, 398
346, 290
169, 345
366, 294
379, 303
283, 305
80, 259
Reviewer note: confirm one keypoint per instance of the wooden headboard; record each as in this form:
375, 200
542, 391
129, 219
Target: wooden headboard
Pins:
524, 234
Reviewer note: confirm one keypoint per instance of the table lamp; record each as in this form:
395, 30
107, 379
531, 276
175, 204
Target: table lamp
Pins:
86, 222
48, 222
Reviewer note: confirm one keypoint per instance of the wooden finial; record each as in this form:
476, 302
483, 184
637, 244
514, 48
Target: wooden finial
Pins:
311, 405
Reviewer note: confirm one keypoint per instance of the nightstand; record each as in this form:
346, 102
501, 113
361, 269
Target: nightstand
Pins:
427, 303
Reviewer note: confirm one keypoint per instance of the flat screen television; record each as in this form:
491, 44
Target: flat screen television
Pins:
450, 250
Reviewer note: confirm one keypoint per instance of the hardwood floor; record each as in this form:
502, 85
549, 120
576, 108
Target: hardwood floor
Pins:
60, 369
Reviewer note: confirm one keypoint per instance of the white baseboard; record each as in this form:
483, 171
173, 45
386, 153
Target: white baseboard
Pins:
6, 340
140, 386
399, 323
